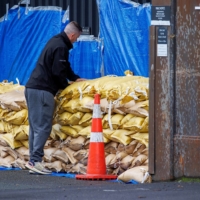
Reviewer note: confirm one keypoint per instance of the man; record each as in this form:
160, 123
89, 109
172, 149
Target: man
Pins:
50, 74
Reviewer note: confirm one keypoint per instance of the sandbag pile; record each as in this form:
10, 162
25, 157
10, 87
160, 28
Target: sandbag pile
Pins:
124, 106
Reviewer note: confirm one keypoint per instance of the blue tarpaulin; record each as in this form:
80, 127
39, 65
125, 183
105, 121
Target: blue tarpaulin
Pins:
122, 44
24, 37
124, 27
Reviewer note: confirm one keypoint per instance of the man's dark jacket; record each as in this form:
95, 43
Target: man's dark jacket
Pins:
53, 68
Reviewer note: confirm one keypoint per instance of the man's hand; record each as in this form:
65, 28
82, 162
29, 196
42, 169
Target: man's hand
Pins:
80, 79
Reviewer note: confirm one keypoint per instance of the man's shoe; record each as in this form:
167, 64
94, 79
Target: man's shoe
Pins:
37, 167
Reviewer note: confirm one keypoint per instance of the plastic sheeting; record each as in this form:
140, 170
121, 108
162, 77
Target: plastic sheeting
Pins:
124, 27
22, 38
85, 58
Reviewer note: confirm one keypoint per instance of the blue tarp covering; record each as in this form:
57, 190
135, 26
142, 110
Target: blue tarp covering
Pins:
124, 35
85, 59
23, 40
124, 27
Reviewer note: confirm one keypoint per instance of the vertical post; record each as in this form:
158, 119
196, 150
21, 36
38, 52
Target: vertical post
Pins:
161, 124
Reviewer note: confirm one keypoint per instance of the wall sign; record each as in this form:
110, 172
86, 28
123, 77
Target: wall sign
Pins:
162, 41
160, 15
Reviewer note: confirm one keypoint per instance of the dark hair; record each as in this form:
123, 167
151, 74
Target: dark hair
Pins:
77, 25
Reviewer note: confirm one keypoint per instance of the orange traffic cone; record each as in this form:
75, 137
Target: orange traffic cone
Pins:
96, 169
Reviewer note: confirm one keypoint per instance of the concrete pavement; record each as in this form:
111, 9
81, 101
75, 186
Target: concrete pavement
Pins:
20, 185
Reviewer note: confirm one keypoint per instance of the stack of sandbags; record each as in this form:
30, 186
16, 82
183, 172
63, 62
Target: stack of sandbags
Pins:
13, 124
124, 106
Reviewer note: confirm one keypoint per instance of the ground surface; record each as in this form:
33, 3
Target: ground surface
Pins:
20, 185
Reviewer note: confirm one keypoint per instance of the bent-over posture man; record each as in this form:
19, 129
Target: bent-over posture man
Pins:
50, 75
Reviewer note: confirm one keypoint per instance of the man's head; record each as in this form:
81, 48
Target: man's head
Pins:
73, 31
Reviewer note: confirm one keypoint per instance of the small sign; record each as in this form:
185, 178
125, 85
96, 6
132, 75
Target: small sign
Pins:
162, 41
86, 31
160, 15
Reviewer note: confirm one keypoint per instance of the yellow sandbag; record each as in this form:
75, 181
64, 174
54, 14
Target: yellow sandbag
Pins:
83, 104
86, 119
105, 140
5, 127
25, 129
71, 106
63, 118
126, 119
139, 174
7, 87
56, 128
75, 118
134, 124
145, 126
19, 134
107, 133
19, 118
105, 123
68, 130
78, 128
3, 113
74, 89
142, 138
116, 120
87, 123
85, 131
121, 137
25, 143
9, 138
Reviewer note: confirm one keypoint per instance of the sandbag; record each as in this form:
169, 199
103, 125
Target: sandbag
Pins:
13, 100
18, 118
76, 143
56, 129
9, 138
126, 162
85, 132
83, 104
139, 160
48, 154
111, 147
142, 138
70, 153
131, 147
121, 137
60, 155
80, 154
7, 161
139, 174
68, 130
54, 166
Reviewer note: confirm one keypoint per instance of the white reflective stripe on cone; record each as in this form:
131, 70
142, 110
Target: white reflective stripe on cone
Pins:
96, 111
96, 137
